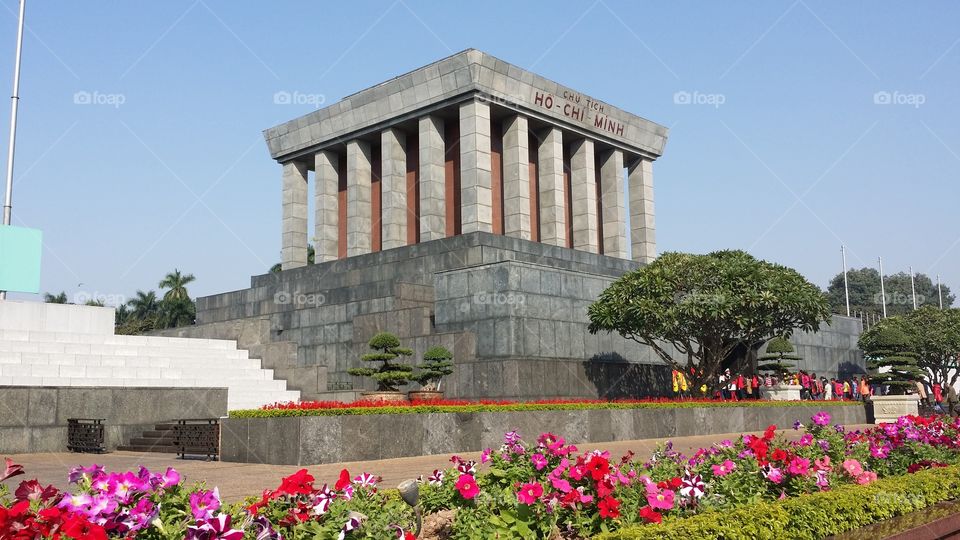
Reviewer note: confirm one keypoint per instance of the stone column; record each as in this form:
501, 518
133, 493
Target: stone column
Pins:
433, 217
326, 211
583, 196
294, 240
516, 178
476, 187
553, 224
393, 185
612, 204
359, 179
643, 238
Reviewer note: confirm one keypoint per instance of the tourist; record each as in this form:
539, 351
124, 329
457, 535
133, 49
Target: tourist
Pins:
937, 397
864, 389
741, 387
952, 400
837, 389
827, 389
804, 385
921, 392
755, 380
815, 389
845, 389
724, 390
855, 389
679, 384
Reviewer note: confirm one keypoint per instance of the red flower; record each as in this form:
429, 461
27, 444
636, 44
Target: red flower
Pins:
298, 483
79, 528
467, 486
779, 455
769, 433
344, 480
650, 515
609, 508
598, 466
604, 488
10, 470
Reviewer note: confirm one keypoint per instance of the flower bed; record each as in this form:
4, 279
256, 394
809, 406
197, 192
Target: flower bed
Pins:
830, 480
339, 408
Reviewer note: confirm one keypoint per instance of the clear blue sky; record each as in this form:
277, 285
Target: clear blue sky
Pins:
797, 159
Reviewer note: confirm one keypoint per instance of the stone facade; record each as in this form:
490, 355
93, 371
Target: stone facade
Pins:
514, 312
499, 149
334, 439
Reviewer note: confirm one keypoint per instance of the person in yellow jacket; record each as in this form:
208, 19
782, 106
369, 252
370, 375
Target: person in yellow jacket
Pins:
679, 384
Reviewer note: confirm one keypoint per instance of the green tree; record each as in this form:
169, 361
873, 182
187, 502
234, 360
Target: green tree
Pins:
389, 376
144, 305
176, 312
55, 298
177, 285
888, 346
121, 314
437, 364
865, 297
779, 357
702, 307
935, 338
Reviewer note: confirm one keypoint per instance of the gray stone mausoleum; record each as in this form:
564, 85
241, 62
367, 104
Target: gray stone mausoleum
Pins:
471, 204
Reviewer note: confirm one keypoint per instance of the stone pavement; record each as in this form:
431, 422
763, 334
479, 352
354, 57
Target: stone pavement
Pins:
239, 480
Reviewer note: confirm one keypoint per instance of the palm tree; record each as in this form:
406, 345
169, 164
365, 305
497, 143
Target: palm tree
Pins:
55, 299
174, 313
144, 305
177, 283
121, 314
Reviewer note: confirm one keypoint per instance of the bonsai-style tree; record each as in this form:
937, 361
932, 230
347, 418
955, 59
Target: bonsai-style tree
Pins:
779, 357
437, 364
703, 307
890, 347
389, 376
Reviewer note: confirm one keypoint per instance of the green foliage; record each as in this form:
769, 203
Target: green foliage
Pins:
512, 407
177, 285
813, 516
55, 298
706, 306
779, 357
437, 364
934, 336
889, 346
389, 375
864, 286
311, 257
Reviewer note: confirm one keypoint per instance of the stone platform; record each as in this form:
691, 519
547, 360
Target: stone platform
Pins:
514, 312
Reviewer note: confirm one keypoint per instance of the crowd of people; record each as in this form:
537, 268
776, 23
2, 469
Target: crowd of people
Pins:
742, 386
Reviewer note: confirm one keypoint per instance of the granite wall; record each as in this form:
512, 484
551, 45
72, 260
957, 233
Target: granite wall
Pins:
311, 440
514, 313
34, 419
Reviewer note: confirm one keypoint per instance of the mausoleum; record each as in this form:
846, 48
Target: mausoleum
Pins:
471, 204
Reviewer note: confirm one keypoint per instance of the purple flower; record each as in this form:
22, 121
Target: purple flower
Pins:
511, 438
78, 503
839, 428
824, 445
215, 528
204, 503
170, 478
805, 440
87, 473
797, 424
822, 418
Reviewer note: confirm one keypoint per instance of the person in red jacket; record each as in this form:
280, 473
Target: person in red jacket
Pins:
741, 385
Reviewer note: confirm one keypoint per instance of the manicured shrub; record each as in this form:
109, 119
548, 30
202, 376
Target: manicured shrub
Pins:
390, 375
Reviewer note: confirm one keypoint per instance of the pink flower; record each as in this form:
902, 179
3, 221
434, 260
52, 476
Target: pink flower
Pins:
866, 477
805, 440
822, 418
853, 467
485, 456
823, 464
560, 484
798, 466
773, 474
660, 499
539, 461
724, 468
467, 486
529, 493
170, 478
204, 503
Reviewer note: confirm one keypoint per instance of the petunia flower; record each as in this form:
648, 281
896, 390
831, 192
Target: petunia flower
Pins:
661, 499
204, 503
216, 528
609, 508
436, 478
724, 468
650, 515
539, 461
821, 419
693, 486
467, 486
529, 493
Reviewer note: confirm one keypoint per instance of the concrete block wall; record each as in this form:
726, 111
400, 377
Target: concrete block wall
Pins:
34, 419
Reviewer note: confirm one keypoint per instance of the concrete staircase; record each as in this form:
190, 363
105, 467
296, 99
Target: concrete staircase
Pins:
158, 439
67, 345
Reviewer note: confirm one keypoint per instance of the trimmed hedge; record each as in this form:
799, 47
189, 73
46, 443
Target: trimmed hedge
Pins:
812, 516
423, 408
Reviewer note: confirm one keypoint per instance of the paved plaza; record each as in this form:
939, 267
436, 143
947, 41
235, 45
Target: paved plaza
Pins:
239, 480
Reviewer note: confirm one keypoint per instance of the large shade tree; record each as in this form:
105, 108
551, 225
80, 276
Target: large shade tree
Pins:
865, 297
891, 359
693, 311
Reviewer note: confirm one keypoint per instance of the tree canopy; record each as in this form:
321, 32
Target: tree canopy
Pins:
865, 297
389, 375
890, 347
779, 356
694, 310
934, 336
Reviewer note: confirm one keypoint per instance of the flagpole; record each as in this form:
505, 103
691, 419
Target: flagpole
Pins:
913, 289
846, 289
14, 101
939, 292
883, 293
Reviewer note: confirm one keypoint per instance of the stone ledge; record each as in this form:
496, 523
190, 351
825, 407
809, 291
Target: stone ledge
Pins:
311, 440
